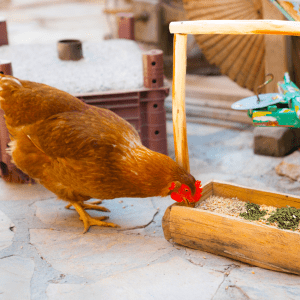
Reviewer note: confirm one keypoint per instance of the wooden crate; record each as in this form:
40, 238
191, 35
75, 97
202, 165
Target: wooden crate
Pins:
260, 245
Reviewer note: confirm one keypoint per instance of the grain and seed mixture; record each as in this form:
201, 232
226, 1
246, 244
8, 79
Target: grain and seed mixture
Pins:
234, 207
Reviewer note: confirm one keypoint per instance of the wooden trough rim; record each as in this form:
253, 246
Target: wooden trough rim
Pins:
225, 189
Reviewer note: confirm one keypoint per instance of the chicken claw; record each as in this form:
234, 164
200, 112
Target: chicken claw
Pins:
91, 205
88, 221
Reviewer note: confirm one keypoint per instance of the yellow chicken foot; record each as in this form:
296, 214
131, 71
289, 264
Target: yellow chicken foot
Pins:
91, 205
88, 221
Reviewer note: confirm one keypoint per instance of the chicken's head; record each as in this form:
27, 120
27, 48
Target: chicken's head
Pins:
182, 193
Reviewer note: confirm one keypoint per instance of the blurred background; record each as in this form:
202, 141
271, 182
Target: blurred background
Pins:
244, 59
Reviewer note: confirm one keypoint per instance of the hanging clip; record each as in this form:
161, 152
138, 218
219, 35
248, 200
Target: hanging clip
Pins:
263, 85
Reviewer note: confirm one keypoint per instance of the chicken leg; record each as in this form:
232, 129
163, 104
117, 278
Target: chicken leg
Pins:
91, 205
88, 221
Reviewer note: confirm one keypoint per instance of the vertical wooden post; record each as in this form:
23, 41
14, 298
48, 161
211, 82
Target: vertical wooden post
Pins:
178, 101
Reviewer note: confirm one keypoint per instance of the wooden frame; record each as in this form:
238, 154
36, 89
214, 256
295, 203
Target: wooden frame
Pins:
260, 245
180, 31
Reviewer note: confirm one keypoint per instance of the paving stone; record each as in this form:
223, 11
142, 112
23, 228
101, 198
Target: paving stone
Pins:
97, 255
211, 261
131, 212
275, 141
174, 279
246, 162
291, 171
6, 235
290, 166
242, 284
15, 191
15, 276
293, 158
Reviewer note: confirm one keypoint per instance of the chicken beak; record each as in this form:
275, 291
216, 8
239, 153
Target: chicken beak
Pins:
187, 203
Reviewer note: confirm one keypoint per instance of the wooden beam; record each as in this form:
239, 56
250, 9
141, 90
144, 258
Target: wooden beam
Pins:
178, 101
236, 27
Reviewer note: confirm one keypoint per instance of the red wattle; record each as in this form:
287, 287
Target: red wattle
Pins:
176, 197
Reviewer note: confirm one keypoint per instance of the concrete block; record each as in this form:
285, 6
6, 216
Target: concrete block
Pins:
275, 141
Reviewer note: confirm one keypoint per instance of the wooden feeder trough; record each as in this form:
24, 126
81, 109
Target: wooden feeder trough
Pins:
261, 245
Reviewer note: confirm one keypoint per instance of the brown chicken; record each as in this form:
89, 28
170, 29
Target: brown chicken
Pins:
80, 152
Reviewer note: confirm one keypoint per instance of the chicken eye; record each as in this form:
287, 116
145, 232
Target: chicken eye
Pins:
186, 190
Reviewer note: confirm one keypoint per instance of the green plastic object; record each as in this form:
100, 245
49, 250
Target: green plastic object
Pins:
280, 110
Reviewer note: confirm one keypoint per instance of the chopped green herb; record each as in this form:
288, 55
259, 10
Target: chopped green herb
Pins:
286, 217
253, 212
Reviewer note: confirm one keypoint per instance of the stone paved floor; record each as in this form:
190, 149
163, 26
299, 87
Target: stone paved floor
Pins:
44, 255
43, 250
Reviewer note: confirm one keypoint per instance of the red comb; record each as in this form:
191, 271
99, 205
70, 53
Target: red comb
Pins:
198, 192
